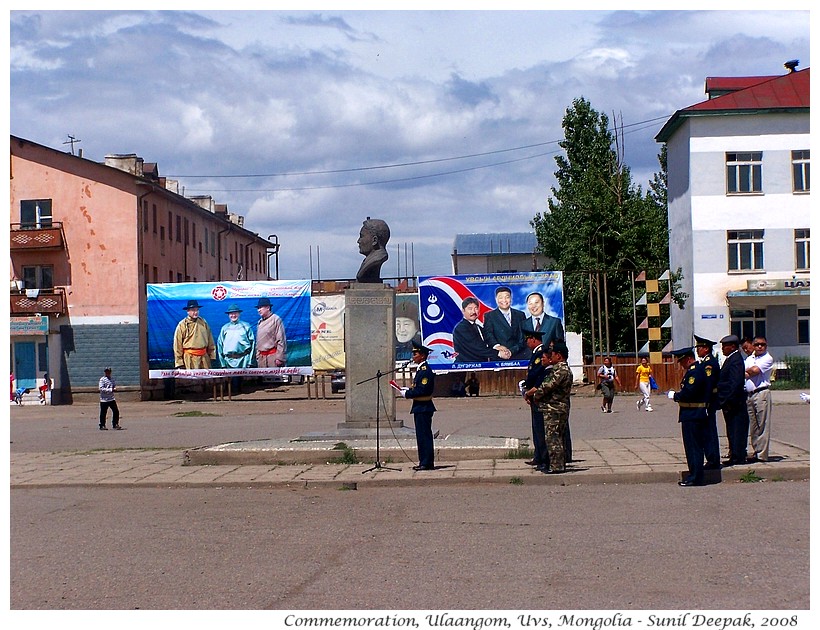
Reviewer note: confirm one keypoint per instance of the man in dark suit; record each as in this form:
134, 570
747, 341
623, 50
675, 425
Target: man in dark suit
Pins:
502, 328
550, 326
469, 343
731, 395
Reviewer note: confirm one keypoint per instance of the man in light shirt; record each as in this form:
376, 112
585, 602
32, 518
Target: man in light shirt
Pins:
759, 367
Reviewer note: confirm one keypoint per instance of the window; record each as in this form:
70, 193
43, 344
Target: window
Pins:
35, 213
179, 229
154, 217
751, 323
801, 173
802, 250
744, 173
38, 277
145, 216
745, 249
803, 326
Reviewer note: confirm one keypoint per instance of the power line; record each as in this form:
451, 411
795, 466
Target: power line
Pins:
643, 124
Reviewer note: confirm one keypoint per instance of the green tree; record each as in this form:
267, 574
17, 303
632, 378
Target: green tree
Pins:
600, 227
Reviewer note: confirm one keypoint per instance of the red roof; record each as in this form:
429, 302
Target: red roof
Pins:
788, 90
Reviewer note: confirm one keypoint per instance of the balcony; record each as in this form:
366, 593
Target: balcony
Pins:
27, 237
43, 301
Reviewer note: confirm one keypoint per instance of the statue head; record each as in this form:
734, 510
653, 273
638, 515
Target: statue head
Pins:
373, 239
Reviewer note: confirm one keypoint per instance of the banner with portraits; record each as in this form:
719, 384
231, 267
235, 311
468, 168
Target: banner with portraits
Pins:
477, 322
217, 329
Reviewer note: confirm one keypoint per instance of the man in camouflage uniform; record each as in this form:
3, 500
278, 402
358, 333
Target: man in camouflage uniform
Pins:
553, 401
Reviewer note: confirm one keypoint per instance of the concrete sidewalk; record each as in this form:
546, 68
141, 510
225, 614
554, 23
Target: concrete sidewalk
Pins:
636, 460
60, 446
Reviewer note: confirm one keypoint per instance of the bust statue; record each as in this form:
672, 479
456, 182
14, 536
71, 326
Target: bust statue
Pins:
373, 239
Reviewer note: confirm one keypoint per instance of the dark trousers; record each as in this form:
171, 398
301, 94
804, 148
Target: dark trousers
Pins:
424, 437
712, 442
567, 444
104, 407
539, 437
695, 438
737, 432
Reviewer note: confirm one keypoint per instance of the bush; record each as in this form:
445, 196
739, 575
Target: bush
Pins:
797, 374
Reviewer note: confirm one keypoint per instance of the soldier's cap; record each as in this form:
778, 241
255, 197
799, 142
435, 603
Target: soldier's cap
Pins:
233, 308
417, 347
533, 334
560, 347
702, 341
730, 340
680, 353
191, 304
263, 302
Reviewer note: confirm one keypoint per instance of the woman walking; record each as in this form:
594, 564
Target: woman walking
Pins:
642, 383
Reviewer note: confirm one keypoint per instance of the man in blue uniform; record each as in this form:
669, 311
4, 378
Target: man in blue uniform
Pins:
536, 370
692, 399
703, 348
423, 408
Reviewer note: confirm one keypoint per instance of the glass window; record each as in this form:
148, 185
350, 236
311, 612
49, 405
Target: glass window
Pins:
802, 250
745, 250
803, 325
744, 172
35, 213
748, 323
801, 173
38, 277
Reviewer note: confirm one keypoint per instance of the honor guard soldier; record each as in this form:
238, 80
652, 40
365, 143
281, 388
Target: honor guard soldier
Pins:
703, 348
693, 400
423, 408
536, 370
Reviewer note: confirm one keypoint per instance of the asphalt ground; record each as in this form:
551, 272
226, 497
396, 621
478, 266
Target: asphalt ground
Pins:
405, 543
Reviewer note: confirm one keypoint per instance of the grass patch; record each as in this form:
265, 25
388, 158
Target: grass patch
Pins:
750, 477
516, 481
348, 454
193, 414
522, 452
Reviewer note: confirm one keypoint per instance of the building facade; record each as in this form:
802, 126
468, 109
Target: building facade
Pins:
739, 194
497, 253
85, 239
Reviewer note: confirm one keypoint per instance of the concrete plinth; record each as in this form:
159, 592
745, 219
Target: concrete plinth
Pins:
370, 330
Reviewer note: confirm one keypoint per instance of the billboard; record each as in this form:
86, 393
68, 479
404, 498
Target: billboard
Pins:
215, 329
476, 322
327, 334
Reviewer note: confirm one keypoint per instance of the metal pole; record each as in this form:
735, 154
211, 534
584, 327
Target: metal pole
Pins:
634, 313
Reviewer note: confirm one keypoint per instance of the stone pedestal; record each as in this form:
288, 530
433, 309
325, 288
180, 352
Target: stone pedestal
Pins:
370, 329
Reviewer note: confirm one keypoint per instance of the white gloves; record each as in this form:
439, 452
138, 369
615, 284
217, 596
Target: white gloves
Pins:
670, 395
521, 387
403, 392
805, 397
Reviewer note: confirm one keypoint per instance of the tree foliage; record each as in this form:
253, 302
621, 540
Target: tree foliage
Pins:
601, 225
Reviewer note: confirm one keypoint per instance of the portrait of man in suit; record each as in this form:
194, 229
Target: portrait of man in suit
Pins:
550, 327
502, 328
469, 343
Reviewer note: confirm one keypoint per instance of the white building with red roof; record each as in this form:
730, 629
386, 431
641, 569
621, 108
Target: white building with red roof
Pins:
739, 191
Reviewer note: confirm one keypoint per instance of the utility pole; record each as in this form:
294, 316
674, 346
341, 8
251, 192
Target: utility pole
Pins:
71, 140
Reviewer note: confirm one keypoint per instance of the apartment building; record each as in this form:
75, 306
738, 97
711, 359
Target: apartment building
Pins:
85, 239
739, 210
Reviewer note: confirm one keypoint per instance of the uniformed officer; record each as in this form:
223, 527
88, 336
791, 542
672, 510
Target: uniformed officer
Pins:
423, 408
535, 376
553, 399
693, 399
703, 348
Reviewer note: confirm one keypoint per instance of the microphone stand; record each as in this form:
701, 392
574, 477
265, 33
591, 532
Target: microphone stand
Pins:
377, 465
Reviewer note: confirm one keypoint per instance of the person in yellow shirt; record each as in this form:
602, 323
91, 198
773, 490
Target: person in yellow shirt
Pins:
642, 375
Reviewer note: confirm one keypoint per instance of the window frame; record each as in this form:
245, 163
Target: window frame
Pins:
744, 168
43, 213
736, 243
748, 322
802, 249
801, 170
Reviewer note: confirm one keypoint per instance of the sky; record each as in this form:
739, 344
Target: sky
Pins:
439, 122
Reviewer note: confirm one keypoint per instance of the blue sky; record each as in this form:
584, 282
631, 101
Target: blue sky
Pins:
307, 122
